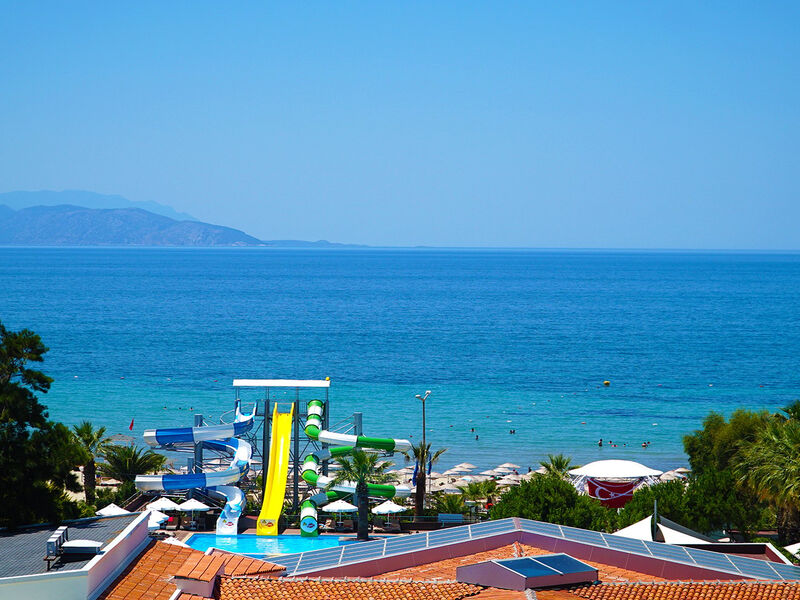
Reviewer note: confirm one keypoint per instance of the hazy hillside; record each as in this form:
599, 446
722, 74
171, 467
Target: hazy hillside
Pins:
67, 225
20, 200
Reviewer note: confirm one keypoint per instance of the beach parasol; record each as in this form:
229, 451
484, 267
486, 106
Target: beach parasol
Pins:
388, 508
466, 465
163, 503
489, 472
340, 506
112, 510
507, 481
509, 465
193, 505
155, 519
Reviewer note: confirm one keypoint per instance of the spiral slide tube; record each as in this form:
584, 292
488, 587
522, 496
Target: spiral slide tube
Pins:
217, 483
346, 443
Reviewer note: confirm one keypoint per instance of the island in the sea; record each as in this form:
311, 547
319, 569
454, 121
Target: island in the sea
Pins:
56, 219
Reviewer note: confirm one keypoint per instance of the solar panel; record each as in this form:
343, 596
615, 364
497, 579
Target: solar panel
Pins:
626, 544
527, 567
754, 568
787, 571
711, 560
540, 527
407, 543
583, 535
492, 527
319, 559
448, 536
660, 550
564, 563
289, 561
362, 551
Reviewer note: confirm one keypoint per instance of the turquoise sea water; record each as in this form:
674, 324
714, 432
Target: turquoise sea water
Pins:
259, 546
505, 339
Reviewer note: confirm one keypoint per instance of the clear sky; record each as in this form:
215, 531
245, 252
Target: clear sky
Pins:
544, 124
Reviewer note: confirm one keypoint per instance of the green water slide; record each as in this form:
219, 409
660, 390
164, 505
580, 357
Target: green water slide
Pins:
342, 444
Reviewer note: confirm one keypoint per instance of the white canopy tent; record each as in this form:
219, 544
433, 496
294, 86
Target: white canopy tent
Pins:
665, 531
615, 469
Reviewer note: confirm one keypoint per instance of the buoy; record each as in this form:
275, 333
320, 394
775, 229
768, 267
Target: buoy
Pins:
606, 382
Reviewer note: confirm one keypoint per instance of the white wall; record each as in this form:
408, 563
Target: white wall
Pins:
88, 582
106, 567
71, 585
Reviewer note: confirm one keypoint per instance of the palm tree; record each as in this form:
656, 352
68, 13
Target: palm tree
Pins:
421, 453
124, 463
770, 467
361, 468
92, 443
450, 503
557, 464
480, 490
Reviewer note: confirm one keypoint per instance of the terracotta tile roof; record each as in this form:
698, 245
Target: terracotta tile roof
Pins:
708, 590
446, 569
236, 564
147, 577
234, 588
201, 567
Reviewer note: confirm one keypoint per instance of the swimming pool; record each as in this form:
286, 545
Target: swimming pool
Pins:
259, 546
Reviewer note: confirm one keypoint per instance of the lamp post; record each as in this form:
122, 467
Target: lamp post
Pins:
424, 449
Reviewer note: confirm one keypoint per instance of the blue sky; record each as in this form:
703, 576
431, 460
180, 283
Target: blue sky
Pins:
561, 124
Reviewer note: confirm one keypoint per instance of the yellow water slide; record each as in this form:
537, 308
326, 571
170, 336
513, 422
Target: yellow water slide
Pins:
277, 473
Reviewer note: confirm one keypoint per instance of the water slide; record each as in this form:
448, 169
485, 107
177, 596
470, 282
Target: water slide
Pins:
219, 484
344, 444
277, 472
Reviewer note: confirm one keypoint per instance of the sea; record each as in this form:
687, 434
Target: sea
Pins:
514, 345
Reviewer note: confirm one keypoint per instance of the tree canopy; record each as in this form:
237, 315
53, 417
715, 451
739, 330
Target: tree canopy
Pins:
550, 498
37, 456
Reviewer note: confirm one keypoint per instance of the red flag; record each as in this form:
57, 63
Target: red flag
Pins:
131, 425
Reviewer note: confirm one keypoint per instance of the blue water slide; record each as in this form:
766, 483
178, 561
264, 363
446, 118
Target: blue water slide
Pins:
219, 484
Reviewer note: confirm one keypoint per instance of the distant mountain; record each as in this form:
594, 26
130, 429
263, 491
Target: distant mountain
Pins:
68, 225
18, 200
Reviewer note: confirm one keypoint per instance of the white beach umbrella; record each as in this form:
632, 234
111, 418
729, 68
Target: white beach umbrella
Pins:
388, 508
466, 465
193, 505
503, 470
340, 506
163, 503
489, 472
509, 465
155, 519
507, 481
112, 510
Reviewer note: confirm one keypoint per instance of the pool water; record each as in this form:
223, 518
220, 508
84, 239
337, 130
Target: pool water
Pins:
258, 546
